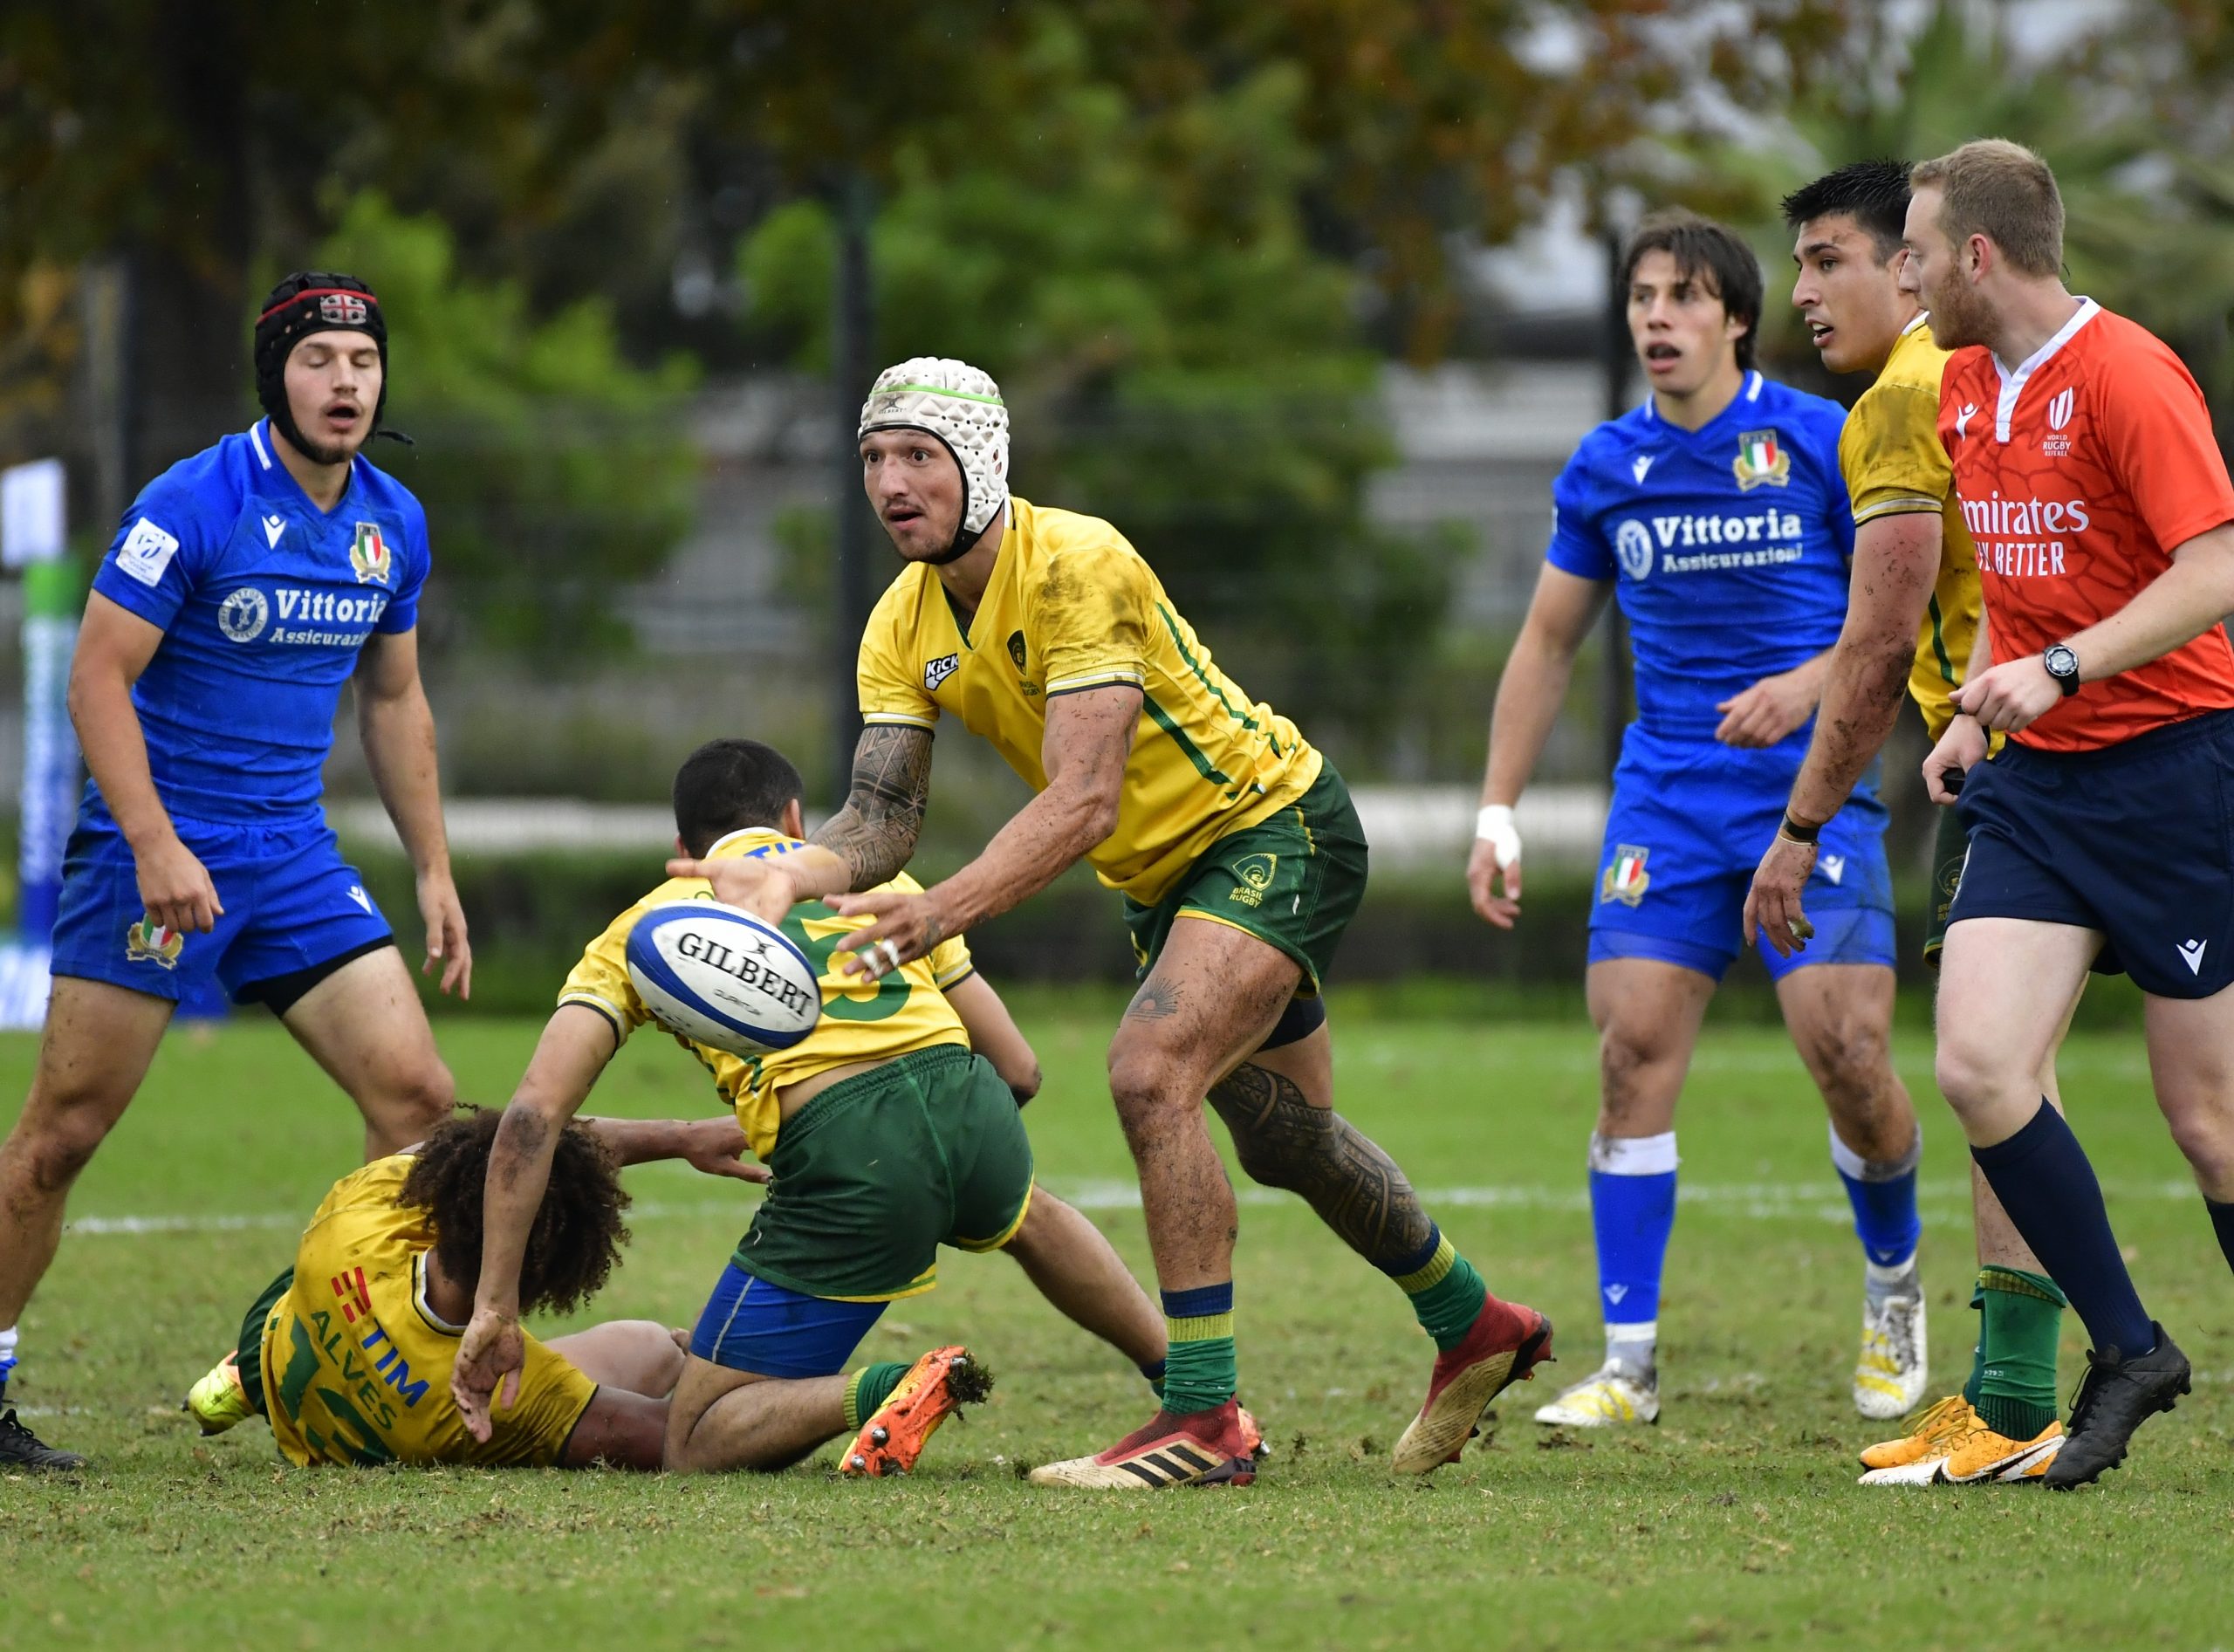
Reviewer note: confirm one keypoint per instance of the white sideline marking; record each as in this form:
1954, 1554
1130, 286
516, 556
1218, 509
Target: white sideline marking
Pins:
1754, 1201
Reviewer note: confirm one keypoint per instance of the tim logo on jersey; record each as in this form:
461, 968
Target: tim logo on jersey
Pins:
1761, 461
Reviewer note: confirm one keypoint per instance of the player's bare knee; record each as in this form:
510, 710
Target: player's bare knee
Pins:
2203, 1129
1142, 1084
1626, 1068
58, 1136
1968, 1077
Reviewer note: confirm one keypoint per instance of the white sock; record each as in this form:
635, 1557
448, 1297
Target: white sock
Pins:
7, 1354
1633, 1346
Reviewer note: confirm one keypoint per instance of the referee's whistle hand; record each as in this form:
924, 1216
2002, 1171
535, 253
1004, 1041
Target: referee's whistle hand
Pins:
1960, 749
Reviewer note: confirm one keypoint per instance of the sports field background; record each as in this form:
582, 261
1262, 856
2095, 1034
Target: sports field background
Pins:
1734, 1522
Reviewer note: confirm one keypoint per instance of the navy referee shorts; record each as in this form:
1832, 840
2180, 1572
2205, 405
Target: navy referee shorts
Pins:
2135, 841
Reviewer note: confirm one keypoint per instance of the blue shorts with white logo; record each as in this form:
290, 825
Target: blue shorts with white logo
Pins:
1690, 820
2135, 840
751, 1324
291, 903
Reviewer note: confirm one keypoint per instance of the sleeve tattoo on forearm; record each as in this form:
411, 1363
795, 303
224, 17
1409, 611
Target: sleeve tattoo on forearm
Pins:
875, 832
1284, 1141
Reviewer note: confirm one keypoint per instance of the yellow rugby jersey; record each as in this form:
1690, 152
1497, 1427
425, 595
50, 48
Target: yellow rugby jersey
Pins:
1893, 461
905, 1009
1071, 606
357, 1366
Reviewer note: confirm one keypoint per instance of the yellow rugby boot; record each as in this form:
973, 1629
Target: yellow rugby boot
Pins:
1933, 1434
218, 1401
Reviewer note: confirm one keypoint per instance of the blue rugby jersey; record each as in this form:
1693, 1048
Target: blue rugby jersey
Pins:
264, 601
1731, 544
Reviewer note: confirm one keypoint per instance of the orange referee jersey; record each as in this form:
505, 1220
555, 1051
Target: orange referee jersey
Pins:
2080, 472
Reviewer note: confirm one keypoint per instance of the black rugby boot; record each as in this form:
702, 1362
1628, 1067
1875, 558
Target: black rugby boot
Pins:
21, 1448
2115, 1397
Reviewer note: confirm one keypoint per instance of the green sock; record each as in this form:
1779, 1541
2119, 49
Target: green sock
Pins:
1447, 1294
1200, 1373
2014, 1373
869, 1387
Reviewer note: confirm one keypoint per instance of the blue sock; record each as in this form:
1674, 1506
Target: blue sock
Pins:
1632, 1212
2043, 1180
1883, 1194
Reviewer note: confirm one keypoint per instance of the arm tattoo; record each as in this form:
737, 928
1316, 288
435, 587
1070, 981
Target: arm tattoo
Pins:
875, 833
1356, 1188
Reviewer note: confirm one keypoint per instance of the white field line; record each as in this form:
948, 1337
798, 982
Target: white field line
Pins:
1751, 1201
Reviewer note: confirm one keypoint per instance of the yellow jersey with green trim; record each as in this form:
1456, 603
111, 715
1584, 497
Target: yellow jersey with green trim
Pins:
903, 1011
357, 1366
1891, 456
1071, 606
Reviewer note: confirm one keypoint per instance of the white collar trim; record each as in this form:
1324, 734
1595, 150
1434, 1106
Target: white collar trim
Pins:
256, 439
1751, 393
419, 1297
1921, 318
2012, 384
715, 848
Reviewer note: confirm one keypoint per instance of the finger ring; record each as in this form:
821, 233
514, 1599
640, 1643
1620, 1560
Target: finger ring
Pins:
1801, 928
889, 953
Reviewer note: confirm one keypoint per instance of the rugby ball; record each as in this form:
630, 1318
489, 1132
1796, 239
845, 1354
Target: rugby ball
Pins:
721, 976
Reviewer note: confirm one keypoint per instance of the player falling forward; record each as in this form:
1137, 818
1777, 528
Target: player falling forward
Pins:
886, 1137
1715, 515
1913, 613
348, 1354
1241, 860
2104, 519
247, 586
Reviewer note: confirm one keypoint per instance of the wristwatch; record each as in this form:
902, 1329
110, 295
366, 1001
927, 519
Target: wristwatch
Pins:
2063, 666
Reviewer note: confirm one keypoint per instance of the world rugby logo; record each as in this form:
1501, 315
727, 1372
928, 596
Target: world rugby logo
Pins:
1634, 545
242, 616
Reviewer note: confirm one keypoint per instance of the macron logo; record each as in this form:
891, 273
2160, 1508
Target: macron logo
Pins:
357, 893
1835, 867
1616, 1292
273, 527
2192, 951
1640, 464
1962, 418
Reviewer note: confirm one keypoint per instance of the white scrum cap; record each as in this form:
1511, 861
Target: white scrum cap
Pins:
962, 407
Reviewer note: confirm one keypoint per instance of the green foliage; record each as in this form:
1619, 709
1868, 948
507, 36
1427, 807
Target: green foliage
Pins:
1176, 355
553, 471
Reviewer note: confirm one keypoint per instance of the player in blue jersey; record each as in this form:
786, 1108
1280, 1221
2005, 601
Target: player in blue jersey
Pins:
246, 587
1715, 514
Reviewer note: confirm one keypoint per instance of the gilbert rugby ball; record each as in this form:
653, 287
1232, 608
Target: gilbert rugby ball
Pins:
721, 976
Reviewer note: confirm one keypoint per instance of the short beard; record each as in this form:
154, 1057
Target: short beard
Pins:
1958, 319
313, 452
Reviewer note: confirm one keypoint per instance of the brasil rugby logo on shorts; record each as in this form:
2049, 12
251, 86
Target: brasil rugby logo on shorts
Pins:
1254, 873
368, 555
1761, 460
1626, 880
148, 941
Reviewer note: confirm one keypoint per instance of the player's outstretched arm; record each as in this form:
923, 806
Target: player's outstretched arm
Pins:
716, 1146
995, 1035
1089, 737
114, 645
1529, 693
396, 726
577, 1043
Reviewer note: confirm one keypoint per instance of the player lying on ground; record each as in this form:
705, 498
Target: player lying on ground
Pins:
1715, 515
2104, 517
1241, 860
348, 1352
887, 1138
1912, 615
248, 584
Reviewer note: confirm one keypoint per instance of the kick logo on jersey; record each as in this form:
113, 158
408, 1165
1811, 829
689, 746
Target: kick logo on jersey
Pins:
148, 941
1761, 461
937, 671
368, 555
1625, 881
1255, 872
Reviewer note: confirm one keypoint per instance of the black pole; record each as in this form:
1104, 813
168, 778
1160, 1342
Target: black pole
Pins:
850, 376
1617, 361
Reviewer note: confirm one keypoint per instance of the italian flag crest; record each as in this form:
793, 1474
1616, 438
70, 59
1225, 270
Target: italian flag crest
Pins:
368, 555
1761, 460
1626, 880
148, 941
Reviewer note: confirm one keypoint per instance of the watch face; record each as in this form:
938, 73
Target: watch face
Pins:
2062, 663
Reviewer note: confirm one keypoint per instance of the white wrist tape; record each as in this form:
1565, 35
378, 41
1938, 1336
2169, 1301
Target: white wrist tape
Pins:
1494, 827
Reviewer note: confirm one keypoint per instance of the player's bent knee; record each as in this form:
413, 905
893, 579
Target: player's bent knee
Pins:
1146, 1083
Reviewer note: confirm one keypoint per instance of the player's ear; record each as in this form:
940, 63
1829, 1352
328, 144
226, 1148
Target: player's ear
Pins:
794, 820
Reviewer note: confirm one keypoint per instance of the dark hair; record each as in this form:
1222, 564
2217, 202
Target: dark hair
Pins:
1874, 193
578, 1232
1700, 246
726, 785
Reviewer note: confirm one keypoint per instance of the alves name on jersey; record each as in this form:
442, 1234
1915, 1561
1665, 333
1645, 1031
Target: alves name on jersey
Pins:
1731, 544
264, 601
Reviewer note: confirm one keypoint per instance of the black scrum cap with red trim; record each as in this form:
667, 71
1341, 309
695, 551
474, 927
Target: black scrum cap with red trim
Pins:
311, 301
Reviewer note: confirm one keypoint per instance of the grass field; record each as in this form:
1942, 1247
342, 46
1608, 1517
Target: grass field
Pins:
1736, 1521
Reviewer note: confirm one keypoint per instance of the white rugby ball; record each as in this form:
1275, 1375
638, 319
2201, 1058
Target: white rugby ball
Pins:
721, 976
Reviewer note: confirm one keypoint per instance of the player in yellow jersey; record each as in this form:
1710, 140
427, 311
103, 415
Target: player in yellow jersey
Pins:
1240, 859
348, 1352
1915, 614
892, 1128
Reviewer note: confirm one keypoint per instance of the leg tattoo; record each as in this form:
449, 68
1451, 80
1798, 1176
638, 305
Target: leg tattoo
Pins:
1284, 1141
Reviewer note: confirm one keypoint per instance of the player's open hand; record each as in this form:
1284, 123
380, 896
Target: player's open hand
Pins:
762, 888
719, 1147
444, 916
1769, 711
907, 927
1773, 904
2011, 695
1495, 856
491, 1356
1962, 748
175, 888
